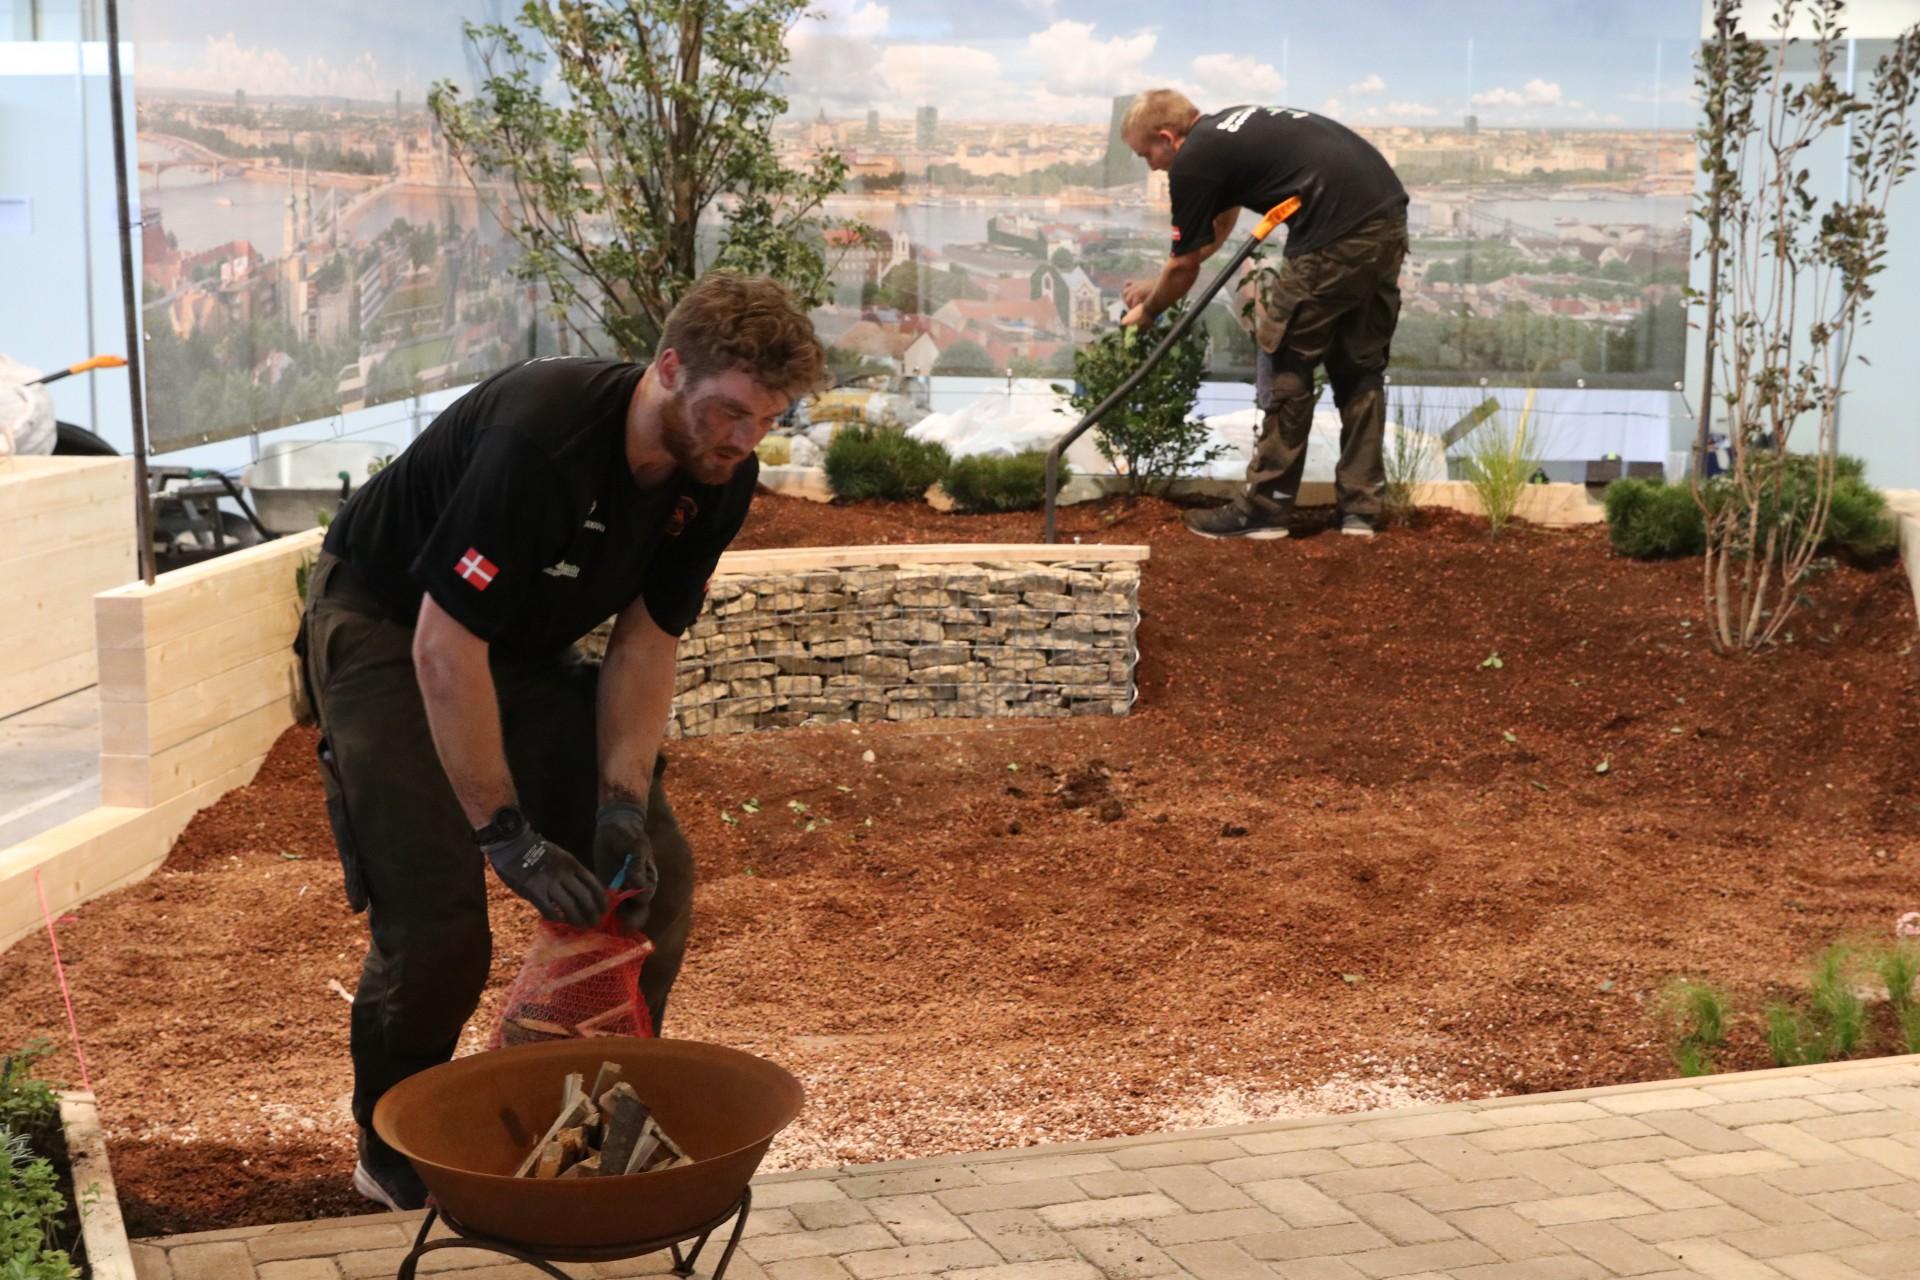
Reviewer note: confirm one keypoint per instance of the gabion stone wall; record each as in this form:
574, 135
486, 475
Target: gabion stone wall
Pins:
909, 642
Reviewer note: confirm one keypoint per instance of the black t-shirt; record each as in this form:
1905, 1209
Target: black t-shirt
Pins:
1255, 157
516, 510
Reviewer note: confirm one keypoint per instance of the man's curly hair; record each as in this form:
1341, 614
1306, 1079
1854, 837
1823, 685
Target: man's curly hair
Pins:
729, 320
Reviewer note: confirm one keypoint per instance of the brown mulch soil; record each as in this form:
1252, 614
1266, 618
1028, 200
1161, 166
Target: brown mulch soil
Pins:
1334, 858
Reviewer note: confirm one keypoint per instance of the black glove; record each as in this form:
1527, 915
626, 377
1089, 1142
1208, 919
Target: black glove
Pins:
620, 841
543, 873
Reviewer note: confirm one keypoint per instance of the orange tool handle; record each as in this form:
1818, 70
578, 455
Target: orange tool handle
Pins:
85, 366
1275, 216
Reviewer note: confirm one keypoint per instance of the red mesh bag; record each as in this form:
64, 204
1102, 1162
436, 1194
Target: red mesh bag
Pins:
577, 982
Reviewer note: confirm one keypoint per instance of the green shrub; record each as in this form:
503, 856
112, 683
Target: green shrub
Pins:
987, 482
1151, 437
882, 462
1652, 521
1859, 526
775, 451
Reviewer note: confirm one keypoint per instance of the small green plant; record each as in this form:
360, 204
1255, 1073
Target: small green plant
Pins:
1648, 520
30, 1210
1788, 1036
1152, 436
882, 462
1899, 968
775, 451
1499, 460
1696, 1016
27, 1103
987, 482
1834, 1022
1410, 458
31, 1206
1839, 1012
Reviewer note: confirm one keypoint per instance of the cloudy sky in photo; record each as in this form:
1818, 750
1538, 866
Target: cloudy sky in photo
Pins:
1538, 63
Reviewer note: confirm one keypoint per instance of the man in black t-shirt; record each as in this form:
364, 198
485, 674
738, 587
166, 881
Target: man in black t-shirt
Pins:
1334, 300
438, 646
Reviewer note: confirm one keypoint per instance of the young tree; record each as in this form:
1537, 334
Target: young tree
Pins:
1787, 286
605, 130
1151, 437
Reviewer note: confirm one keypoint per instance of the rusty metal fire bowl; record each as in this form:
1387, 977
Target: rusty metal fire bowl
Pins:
467, 1124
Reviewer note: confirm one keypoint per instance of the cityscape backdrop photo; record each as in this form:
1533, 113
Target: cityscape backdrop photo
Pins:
310, 246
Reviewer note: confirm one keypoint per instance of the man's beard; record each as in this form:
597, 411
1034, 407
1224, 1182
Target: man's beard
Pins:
683, 445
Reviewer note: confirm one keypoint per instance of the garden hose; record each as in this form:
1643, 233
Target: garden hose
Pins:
1275, 216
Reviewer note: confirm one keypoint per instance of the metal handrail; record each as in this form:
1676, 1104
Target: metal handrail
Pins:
1275, 216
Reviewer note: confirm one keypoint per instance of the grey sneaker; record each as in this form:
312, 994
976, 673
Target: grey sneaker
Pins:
1231, 521
1356, 526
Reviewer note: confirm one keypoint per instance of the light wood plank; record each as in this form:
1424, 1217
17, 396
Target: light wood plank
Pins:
139, 675
1549, 504
83, 569
52, 531
22, 689
50, 640
51, 607
151, 727
44, 483
142, 781
138, 616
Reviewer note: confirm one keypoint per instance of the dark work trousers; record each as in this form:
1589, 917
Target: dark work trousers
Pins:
1335, 306
407, 848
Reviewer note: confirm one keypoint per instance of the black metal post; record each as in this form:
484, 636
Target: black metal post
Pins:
130, 299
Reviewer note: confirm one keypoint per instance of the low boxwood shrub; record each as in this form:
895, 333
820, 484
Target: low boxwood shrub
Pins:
1650, 521
995, 482
883, 462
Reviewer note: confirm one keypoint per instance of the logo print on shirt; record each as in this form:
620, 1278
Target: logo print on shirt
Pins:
683, 513
591, 523
1176, 235
476, 569
562, 570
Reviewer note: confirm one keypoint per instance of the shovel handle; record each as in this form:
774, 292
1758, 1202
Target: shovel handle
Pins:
1275, 216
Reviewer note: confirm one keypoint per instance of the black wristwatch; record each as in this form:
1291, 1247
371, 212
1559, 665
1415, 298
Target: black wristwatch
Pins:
508, 822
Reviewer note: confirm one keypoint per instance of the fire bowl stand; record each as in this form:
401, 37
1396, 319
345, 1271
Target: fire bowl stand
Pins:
463, 1238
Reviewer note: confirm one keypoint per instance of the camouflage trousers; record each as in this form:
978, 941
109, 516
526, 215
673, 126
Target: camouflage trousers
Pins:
1334, 307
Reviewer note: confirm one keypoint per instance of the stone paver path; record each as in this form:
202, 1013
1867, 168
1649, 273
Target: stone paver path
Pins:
1811, 1174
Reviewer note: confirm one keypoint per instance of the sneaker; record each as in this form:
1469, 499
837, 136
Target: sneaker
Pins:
391, 1182
1231, 521
1356, 526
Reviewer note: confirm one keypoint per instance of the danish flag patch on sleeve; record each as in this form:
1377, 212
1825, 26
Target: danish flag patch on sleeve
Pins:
476, 569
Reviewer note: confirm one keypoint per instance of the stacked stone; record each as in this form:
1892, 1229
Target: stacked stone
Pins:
909, 642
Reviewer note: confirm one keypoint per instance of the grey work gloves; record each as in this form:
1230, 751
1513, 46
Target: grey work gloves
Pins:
620, 843
549, 877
